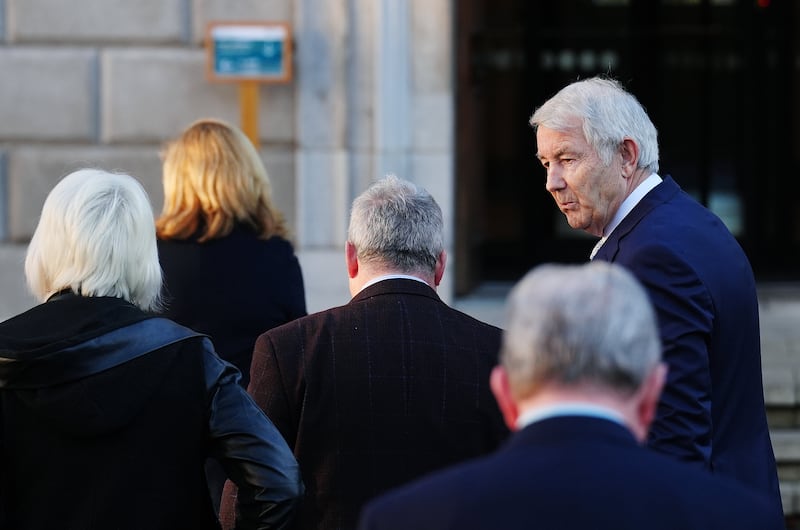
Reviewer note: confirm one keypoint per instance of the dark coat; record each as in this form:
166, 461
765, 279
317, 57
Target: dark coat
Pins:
107, 416
712, 409
573, 473
232, 289
377, 392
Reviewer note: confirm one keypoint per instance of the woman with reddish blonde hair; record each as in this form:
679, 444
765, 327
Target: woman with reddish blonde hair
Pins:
230, 271
213, 180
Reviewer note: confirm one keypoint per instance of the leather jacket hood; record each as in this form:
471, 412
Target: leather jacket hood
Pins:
56, 360
63, 376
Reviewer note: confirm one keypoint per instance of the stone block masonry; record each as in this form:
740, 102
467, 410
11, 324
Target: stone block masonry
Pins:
48, 94
104, 83
97, 21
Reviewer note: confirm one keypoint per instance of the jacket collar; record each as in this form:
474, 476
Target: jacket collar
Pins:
396, 286
93, 356
557, 430
662, 193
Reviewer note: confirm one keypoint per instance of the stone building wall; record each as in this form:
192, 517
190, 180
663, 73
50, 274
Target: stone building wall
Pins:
105, 82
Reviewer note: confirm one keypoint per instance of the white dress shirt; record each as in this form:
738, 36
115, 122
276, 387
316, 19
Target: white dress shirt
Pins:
626, 207
391, 277
575, 408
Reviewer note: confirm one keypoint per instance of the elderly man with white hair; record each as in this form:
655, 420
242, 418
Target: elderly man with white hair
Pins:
600, 150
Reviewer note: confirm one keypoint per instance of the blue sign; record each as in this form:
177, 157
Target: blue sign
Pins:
250, 51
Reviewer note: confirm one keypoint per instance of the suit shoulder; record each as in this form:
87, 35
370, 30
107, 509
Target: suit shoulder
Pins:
306, 325
718, 498
462, 327
479, 325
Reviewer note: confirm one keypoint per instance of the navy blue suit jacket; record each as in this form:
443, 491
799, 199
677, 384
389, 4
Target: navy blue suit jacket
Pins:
572, 473
377, 392
712, 409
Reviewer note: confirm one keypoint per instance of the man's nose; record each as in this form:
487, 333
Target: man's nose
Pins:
555, 179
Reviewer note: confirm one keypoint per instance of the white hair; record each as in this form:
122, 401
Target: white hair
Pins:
576, 324
607, 114
96, 237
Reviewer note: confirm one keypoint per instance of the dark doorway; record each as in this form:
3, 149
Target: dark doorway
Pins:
717, 77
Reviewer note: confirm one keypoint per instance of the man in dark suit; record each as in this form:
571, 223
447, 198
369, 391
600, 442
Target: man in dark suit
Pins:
390, 386
600, 151
580, 378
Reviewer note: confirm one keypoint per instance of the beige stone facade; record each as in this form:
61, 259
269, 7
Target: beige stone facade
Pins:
105, 82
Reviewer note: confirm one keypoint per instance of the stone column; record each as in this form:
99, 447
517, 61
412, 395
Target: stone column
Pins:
393, 95
322, 161
374, 96
320, 31
432, 156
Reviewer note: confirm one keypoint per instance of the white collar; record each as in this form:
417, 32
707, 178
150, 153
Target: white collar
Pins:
377, 279
572, 408
626, 207
631, 201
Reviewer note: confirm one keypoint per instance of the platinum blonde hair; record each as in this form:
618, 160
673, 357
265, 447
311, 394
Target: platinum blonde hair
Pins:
96, 236
398, 224
607, 114
579, 324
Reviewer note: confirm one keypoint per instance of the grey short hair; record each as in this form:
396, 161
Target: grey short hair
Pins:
96, 237
579, 324
607, 113
398, 224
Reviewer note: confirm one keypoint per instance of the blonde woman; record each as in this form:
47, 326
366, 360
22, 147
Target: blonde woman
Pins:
229, 269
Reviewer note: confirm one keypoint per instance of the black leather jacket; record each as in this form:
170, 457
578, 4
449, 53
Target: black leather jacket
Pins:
73, 349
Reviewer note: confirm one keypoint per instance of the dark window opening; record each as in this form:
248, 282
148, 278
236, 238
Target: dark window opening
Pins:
717, 77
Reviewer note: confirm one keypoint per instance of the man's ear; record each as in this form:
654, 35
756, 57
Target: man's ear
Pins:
501, 389
629, 150
649, 395
351, 259
438, 271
